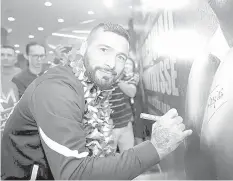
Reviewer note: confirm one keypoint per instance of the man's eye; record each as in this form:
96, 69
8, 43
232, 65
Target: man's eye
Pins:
122, 58
103, 49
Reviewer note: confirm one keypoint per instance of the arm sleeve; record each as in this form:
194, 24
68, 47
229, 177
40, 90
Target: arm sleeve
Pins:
57, 109
128, 89
135, 79
16, 91
20, 86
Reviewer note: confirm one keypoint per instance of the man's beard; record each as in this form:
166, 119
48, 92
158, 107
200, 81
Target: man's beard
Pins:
91, 73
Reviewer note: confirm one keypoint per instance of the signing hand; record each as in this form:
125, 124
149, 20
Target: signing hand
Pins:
168, 132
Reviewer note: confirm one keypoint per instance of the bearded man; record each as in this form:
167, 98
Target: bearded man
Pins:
46, 135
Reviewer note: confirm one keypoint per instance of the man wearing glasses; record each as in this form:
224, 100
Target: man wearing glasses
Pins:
35, 53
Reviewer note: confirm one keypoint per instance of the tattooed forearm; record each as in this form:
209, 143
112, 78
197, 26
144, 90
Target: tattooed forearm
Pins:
164, 139
168, 132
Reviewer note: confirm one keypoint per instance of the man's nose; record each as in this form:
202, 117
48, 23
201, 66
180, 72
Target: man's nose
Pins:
111, 62
40, 59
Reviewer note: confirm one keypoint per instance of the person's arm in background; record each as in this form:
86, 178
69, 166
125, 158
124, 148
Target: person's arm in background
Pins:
16, 92
20, 86
59, 118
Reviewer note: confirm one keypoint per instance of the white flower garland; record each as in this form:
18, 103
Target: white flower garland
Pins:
97, 122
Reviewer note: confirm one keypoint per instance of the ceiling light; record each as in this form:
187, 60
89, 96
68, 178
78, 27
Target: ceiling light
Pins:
60, 20
108, 3
130, 7
50, 52
31, 36
40, 28
152, 5
81, 31
52, 46
90, 12
68, 36
16, 45
88, 21
17, 51
48, 4
11, 19
9, 30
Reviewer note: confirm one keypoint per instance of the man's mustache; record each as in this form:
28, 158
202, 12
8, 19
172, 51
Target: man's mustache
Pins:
106, 70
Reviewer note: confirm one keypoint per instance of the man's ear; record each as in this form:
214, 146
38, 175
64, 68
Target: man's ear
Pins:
83, 48
15, 59
25, 56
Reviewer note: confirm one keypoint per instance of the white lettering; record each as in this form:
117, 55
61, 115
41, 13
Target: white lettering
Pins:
162, 78
162, 82
156, 72
170, 20
167, 75
166, 27
175, 91
161, 106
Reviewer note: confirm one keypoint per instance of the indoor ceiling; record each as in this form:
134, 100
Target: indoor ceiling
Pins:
33, 17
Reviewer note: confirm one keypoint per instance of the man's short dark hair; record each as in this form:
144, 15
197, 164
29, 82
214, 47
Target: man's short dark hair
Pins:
115, 28
8, 47
29, 45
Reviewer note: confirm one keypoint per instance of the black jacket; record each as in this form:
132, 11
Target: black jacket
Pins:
45, 129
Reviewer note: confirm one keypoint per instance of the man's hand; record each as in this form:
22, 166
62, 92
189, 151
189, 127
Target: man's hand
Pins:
128, 75
168, 132
134, 80
60, 54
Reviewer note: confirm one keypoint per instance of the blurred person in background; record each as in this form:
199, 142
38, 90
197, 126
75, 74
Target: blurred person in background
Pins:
47, 62
4, 34
138, 126
45, 136
22, 62
9, 91
36, 54
122, 115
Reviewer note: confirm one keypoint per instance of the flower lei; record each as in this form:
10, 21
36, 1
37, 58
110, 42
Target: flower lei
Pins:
97, 122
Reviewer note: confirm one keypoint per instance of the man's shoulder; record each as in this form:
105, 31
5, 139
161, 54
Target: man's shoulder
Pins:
60, 75
55, 86
17, 71
20, 73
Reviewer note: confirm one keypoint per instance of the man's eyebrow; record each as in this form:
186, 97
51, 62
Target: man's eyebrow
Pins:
123, 55
105, 45
112, 48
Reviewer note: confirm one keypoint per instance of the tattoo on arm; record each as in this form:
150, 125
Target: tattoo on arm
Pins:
164, 139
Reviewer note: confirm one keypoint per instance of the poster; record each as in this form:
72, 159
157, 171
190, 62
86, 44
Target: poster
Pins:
170, 45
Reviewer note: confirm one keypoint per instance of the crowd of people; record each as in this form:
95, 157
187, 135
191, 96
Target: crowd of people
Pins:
68, 120
19, 71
